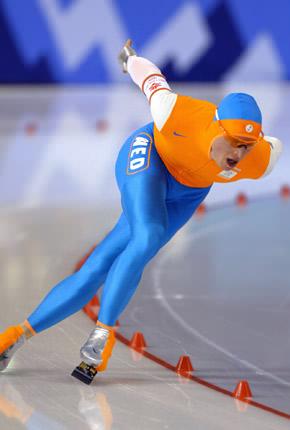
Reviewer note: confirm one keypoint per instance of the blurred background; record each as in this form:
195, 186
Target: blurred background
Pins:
65, 106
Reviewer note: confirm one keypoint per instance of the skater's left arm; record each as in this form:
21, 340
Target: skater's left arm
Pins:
151, 81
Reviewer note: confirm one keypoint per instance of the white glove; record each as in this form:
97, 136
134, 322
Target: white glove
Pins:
126, 52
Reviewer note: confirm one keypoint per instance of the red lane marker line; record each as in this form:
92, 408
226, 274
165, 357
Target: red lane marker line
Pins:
169, 366
200, 381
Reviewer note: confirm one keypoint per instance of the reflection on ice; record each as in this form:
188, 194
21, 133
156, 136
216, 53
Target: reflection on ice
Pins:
14, 407
95, 408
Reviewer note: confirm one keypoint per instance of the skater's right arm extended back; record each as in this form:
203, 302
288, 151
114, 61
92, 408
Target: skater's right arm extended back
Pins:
151, 81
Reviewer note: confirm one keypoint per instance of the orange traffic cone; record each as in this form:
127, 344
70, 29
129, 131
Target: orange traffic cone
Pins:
184, 365
102, 125
241, 199
31, 128
242, 391
138, 341
285, 192
92, 308
91, 312
95, 301
201, 210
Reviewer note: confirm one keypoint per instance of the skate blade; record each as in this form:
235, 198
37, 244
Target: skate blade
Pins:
85, 373
4, 364
4, 361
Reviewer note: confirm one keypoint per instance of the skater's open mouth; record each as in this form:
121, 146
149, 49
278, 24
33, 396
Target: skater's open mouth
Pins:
231, 162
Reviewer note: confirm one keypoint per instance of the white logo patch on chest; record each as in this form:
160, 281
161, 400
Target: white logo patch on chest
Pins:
228, 174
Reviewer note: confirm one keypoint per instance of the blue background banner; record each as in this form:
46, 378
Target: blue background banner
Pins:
77, 41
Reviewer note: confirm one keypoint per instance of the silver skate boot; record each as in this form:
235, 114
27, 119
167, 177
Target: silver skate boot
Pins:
95, 353
98, 347
12, 341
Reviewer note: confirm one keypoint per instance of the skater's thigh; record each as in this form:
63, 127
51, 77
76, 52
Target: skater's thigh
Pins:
141, 177
180, 211
144, 202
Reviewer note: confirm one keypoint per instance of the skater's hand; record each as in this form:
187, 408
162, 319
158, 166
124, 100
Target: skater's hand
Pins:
126, 52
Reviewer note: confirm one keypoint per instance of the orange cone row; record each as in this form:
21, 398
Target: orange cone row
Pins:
32, 127
242, 200
184, 366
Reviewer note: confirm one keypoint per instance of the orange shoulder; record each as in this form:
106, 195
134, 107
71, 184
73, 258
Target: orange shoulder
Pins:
189, 116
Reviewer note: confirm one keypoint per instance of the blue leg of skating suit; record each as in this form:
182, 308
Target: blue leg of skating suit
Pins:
71, 294
154, 206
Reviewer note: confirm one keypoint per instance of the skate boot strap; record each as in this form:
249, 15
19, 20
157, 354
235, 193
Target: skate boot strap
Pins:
9, 337
107, 352
107, 327
28, 329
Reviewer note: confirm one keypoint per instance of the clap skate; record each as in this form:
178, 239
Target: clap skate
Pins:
10, 341
95, 354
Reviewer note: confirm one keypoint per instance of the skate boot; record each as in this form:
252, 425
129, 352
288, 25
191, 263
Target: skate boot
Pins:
98, 348
10, 341
95, 353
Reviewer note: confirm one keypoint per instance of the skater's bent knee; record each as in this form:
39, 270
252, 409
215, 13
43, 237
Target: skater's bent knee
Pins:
149, 237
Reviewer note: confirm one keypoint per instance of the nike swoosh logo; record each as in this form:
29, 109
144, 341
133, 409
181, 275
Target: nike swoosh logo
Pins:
177, 134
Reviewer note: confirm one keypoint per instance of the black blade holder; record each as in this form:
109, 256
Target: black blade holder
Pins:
85, 373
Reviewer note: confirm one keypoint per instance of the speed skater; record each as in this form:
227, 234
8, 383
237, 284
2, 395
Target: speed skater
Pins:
164, 170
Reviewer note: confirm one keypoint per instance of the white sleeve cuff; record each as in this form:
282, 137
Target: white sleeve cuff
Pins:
154, 83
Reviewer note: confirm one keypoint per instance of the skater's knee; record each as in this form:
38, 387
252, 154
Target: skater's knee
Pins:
149, 238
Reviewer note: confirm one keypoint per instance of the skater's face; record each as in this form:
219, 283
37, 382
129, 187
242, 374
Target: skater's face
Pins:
227, 152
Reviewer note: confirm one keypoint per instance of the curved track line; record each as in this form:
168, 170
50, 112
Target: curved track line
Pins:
156, 283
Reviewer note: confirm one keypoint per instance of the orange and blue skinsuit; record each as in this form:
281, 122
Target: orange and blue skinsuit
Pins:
164, 171
155, 205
